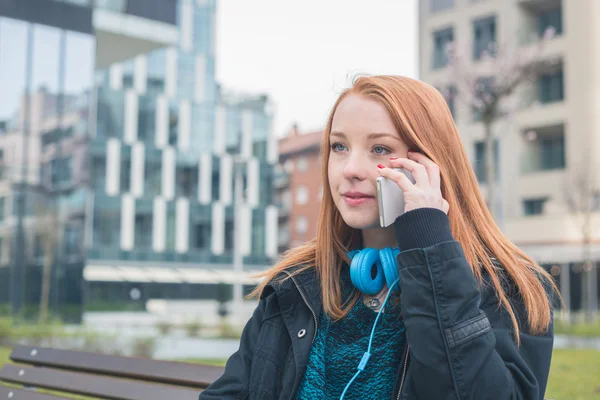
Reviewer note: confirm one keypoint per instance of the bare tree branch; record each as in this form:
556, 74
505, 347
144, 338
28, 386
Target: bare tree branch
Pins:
489, 95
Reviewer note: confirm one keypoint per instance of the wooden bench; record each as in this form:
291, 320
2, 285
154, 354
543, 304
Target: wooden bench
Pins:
100, 376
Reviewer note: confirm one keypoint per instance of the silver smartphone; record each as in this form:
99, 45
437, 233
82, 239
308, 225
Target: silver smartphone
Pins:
390, 198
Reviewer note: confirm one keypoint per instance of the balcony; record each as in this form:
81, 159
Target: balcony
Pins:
539, 15
544, 149
126, 28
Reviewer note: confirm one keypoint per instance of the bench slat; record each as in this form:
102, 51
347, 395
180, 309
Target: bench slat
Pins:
22, 394
93, 385
169, 372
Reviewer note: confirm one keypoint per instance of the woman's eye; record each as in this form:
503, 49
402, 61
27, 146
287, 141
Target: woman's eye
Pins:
337, 147
381, 150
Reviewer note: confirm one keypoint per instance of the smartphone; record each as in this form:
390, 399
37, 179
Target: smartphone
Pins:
390, 198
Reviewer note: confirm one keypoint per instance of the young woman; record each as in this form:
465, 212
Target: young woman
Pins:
468, 315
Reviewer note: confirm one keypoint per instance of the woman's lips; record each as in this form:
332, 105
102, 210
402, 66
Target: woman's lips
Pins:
357, 200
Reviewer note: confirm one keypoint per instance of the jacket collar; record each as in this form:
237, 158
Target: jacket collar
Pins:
307, 283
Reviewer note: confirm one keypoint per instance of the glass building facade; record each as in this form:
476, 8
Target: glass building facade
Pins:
139, 161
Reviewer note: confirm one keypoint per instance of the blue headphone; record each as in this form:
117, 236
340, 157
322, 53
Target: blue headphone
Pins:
361, 265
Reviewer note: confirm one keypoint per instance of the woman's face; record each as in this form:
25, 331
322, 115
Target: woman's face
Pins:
362, 136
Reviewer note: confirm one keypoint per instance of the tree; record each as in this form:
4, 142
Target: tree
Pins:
583, 199
47, 230
491, 96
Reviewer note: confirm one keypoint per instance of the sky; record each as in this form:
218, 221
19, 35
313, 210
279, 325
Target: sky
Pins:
304, 53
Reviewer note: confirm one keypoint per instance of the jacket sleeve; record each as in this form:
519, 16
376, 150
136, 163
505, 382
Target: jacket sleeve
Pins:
233, 384
460, 346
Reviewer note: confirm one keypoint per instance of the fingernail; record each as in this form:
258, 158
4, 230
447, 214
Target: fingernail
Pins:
380, 166
393, 158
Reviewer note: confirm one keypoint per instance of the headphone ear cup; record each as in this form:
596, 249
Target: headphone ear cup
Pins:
389, 265
360, 271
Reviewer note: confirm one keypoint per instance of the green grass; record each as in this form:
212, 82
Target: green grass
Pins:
577, 329
573, 374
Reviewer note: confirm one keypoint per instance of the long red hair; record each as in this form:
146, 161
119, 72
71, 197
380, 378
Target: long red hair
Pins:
425, 123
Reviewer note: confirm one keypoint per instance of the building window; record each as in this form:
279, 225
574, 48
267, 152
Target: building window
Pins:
186, 181
595, 203
173, 123
229, 235
441, 41
143, 231
153, 177
440, 5
484, 36
72, 240
550, 18
301, 225
450, 95
38, 246
288, 166
551, 87
534, 206
98, 173
302, 164
301, 195
125, 174
107, 227
544, 149
258, 232
60, 170
203, 235
171, 226
146, 119
481, 159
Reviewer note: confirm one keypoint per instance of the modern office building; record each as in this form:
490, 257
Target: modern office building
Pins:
547, 146
139, 150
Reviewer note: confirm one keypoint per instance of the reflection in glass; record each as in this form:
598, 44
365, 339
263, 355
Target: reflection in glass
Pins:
173, 122
186, 184
112, 5
79, 63
107, 225
146, 119
143, 230
171, 226
46, 64
110, 113
153, 174
98, 173
128, 74
201, 227
13, 47
202, 128
125, 174
157, 71
258, 231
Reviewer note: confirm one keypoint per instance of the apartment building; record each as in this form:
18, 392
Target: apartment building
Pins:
299, 187
548, 144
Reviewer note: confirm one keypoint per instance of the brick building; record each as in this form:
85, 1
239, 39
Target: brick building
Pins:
299, 187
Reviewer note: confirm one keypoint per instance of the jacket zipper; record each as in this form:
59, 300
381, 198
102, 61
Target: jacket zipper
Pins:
307, 305
403, 372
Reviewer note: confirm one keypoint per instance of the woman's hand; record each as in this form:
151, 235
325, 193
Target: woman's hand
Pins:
426, 191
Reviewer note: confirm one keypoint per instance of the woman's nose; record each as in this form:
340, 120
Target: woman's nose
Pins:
355, 168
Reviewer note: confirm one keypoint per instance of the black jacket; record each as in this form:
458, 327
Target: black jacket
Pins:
460, 342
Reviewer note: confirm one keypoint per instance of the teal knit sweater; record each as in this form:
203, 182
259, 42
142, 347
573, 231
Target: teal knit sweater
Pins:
339, 347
